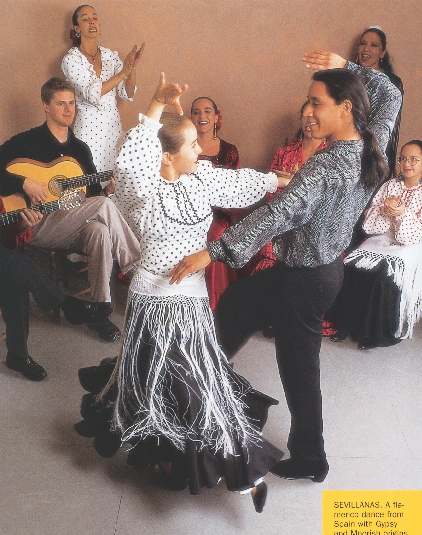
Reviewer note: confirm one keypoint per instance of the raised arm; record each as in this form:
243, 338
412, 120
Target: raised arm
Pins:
384, 96
165, 94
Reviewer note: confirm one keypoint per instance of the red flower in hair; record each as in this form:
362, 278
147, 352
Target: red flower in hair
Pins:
219, 120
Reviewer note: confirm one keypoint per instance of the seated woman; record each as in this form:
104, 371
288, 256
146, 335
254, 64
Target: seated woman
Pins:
372, 52
172, 394
207, 120
381, 297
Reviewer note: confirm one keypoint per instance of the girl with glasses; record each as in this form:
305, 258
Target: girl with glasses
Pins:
381, 298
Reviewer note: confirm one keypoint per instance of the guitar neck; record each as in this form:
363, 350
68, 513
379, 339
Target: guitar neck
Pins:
12, 217
85, 180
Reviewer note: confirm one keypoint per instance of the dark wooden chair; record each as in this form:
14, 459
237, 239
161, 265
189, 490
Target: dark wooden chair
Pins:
59, 269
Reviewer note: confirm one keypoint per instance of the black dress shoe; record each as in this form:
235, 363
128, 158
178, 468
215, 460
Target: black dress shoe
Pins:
339, 336
296, 469
77, 311
106, 329
28, 367
259, 496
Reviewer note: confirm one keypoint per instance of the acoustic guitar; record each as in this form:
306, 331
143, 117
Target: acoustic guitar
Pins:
67, 200
59, 175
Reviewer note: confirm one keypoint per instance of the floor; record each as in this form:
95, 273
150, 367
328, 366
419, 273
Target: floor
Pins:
53, 483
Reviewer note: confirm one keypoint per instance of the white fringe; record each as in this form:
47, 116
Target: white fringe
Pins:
404, 265
188, 323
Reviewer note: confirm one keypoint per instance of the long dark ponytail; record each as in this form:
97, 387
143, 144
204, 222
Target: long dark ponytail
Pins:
343, 85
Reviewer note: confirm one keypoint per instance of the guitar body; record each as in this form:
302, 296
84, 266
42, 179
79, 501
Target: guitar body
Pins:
50, 173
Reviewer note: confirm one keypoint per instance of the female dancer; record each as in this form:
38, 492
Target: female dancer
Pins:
207, 120
312, 222
98, 75
381, 298
173, 395
372, 52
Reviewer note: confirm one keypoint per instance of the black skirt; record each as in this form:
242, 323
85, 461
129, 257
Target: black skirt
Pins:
160, 403
368, 306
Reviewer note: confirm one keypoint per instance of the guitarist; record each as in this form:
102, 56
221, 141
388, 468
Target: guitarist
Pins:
96, 228
18, 278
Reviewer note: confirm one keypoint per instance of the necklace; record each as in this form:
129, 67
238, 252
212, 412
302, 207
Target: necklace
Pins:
90, 55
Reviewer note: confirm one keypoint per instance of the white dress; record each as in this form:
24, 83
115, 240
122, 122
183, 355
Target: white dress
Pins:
173, 395
97, 120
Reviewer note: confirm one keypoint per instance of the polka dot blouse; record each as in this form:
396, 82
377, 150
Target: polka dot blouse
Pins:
407, 228
171, 219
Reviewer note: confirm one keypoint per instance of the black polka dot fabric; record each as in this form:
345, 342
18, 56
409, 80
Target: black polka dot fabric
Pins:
97, 120
171, 219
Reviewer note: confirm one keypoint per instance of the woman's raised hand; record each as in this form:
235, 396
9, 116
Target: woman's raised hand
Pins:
132, 59
169, 94
320, 60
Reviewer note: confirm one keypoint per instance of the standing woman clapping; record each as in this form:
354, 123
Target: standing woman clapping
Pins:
98, 75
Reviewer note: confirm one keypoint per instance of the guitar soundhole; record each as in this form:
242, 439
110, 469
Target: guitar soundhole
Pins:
55, 186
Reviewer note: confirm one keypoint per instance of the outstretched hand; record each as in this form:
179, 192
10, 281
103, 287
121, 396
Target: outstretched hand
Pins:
190, 264
169, 93
320, 60
283, 177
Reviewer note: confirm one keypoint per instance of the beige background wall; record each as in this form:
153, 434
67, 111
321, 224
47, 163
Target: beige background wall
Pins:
246, 54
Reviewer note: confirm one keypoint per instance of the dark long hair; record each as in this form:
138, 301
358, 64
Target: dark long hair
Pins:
344, 85
385, 62
73, 35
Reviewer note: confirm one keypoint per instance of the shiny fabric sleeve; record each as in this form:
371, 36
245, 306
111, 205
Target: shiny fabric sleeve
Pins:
287, 210
385, 100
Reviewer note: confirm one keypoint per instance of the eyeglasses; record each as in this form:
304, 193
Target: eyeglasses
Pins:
412, 161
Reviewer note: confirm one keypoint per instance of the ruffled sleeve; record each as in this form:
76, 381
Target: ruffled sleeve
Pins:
138, 164
82, 76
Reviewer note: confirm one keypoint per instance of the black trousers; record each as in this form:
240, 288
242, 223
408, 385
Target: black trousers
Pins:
293, 301
19, 277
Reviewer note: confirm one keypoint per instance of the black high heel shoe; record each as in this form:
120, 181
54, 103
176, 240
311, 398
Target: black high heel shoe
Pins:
259, 496
296, 469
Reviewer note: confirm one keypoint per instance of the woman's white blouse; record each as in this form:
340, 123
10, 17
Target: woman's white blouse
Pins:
82, 76
407, 228
97, 120
171, 219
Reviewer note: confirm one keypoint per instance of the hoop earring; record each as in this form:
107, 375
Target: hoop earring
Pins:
214, 131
